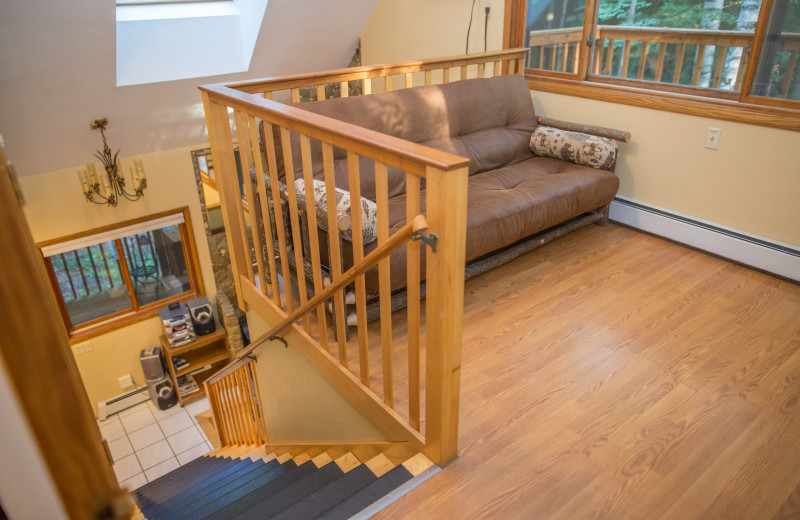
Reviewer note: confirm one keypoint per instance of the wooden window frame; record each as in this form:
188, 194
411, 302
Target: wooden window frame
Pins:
137, 313
739, 107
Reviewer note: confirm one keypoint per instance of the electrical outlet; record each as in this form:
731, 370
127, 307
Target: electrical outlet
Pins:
125, 381
82, 348
712, 138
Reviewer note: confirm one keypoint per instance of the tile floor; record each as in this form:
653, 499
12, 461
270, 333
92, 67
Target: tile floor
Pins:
146, 442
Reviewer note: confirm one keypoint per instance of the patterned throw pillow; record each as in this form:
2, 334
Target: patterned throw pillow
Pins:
369, 210
575, 147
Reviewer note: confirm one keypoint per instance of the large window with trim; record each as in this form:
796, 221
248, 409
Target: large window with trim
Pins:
737, 53
109, 277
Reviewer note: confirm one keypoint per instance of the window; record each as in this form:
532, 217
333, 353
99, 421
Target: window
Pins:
740, 55
109, 277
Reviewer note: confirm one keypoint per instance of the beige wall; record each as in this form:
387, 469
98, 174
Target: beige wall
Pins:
55, 208
750, 184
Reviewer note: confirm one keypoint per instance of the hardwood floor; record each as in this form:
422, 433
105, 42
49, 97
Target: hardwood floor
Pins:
612, 374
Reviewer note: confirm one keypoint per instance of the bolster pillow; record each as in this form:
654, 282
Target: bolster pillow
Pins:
575, 147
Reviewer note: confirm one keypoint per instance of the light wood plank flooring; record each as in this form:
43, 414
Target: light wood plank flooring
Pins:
612, 374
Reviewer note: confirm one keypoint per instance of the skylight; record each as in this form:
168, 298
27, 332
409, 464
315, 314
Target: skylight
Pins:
180, 40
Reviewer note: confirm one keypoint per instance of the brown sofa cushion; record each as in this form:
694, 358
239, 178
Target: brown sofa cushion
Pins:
463, 118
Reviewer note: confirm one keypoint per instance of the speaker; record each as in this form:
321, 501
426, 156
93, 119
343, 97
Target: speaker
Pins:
162, 392
202, 316
152, 362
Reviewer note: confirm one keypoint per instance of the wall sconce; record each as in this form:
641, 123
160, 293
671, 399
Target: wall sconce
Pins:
109, 188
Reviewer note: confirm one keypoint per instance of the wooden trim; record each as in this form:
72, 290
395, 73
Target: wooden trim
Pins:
44, 375
786, 119
741, 108
383, 418
444, 311
136, 312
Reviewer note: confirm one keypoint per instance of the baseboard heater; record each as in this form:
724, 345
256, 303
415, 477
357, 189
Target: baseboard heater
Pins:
773, 257
121, 402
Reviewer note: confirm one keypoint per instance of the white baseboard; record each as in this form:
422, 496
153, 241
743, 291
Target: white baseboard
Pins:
773, 257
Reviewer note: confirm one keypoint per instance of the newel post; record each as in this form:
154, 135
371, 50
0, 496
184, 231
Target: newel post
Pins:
447, 218
227, 179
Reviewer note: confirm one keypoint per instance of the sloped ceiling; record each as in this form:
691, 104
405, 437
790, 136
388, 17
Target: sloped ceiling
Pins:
57, 73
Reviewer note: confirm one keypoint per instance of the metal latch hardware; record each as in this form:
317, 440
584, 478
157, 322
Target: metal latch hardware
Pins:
430, 239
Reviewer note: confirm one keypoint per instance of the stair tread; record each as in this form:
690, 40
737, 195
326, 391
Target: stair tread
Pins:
185, 494
164, 490
318, 478
196, 465
368, 495
243, 504
203, 510
223, 489
328, 496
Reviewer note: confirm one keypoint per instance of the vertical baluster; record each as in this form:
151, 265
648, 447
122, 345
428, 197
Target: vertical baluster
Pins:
742, 67
575, 55
69, 276
413, 314
626, 57
428, 78
219, 419
268, 95
564, 47
357, 238
496, 69
267, 222
94, 269
553, 58
313, 234
541, 58
481, 69
259, 409
80, 270
512, 67
247, 408
297, 237
464, 72
387, 83
598, 52
246, 153
367, 83
384, 281
320, 92
225, 403
335, 257
643, 60
344, 89
105, 263
277, 206
787, 79
409, 80
230, 403
662, 47
295, 95
446, 75
609, 57
698, 64
719, 62
676, 76
237, 402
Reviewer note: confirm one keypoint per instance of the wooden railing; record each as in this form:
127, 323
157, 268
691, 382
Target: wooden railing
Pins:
380, 371
236, 405
657, 51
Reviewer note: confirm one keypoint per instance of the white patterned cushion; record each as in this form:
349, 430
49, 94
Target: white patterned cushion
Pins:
369, 210
575, 147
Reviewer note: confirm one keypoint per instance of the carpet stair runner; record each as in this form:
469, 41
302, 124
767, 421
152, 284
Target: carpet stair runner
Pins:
292, 482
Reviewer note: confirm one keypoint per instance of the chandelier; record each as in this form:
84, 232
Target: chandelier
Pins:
110, 188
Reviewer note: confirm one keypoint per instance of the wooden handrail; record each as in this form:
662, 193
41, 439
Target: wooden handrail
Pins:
373, 71
408, 156
398, 239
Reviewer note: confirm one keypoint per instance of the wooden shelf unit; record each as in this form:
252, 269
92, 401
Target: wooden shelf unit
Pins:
211, 349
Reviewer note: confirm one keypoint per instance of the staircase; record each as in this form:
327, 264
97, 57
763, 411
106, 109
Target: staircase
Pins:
286, 482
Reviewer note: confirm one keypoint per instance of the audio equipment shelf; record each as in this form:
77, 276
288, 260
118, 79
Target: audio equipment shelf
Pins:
204, 351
